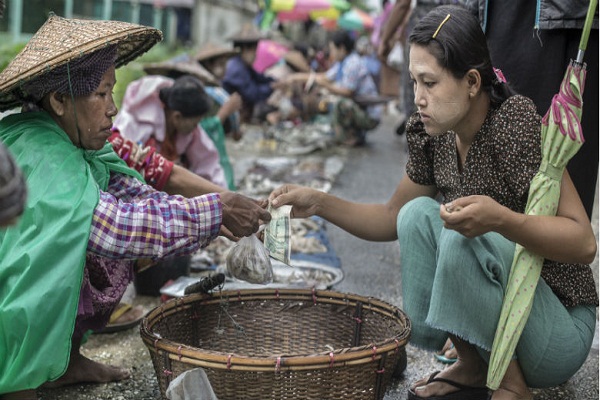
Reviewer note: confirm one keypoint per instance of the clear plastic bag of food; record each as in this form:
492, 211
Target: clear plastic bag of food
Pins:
249, 261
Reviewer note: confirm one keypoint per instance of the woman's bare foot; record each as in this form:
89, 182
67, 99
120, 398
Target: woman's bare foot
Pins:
22, 395
447, 354
83, 370
513, 385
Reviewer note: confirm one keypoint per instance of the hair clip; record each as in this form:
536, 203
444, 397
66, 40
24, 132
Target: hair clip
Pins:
499, 75
440, 27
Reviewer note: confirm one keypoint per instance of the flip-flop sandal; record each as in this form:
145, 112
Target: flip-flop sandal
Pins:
464, 392
122, 309
446, 360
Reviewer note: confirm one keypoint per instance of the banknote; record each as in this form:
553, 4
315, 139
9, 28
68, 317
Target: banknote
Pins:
277, 234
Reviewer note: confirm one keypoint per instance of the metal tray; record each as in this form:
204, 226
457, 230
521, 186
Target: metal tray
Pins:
303, 274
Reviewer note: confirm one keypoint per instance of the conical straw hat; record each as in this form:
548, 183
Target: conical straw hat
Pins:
61, 40
175, 69
246, 35
211, 50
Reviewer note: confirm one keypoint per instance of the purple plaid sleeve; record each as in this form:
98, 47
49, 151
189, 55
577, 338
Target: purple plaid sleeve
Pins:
133, 220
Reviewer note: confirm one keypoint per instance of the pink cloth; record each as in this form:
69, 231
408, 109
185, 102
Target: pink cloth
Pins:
142, 119
268, 53
379, 23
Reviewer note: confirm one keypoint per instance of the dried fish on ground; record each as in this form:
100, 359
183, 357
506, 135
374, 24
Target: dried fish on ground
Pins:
267, 174
301, 139
307, 245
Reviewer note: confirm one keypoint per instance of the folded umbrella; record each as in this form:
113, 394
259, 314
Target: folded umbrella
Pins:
562, 137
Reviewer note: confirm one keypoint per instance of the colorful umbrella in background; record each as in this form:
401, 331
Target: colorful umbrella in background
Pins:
356, 20
306, 5
268, 53
561, 139
293, 15
328, 24
302, 10
327, 14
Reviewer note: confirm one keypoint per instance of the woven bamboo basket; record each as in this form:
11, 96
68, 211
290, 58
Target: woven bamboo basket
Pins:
279, 343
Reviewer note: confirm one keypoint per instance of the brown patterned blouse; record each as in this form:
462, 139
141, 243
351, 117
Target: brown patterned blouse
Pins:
502, 160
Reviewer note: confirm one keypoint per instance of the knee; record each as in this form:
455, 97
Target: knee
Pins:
415, 215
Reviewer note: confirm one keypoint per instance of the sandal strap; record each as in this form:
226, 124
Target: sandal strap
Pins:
433, 378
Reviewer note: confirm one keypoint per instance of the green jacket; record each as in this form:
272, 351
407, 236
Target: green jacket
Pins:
42, 258
214, 128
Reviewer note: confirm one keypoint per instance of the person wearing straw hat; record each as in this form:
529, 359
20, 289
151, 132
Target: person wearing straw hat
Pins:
477, 146
66, 263
240, 77
214, 58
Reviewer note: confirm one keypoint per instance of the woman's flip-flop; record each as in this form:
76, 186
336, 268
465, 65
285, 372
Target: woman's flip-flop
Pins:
134, 313
464, 392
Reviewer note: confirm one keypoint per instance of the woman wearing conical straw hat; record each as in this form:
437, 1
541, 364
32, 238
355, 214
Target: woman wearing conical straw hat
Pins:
240, 77
66, 263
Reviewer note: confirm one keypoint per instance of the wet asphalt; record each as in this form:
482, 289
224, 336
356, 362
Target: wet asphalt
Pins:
370, 174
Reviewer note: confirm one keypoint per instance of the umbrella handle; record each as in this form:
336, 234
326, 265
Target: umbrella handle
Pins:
587, 27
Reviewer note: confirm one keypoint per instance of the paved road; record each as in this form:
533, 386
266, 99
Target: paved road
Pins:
370, 174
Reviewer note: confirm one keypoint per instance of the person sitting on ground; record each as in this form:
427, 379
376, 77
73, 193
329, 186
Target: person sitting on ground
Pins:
478, 146
164, 113
290, 102
66, 263
240, 77
365, 49
348, 78
214, 58
223, 117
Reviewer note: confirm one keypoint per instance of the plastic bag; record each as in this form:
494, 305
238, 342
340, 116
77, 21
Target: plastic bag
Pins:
249, 261
396, 57
191, 385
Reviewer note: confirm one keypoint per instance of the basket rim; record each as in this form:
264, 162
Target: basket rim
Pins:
233, 361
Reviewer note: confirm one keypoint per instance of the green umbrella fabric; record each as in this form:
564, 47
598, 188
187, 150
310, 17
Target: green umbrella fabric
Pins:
355, 20
561, 139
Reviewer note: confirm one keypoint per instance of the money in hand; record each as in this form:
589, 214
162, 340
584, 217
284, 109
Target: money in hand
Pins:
278, 233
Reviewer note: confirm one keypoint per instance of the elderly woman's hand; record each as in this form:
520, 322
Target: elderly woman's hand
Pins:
242, 215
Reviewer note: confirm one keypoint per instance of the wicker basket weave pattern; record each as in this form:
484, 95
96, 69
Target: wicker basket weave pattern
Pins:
279, 343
